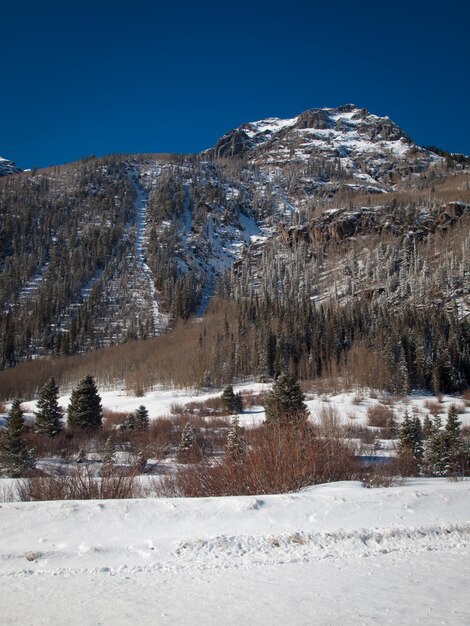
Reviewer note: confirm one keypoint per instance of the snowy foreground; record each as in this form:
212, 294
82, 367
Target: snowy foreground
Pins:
332, 554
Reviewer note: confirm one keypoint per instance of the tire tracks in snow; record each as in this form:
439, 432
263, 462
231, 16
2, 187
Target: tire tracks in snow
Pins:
249, 551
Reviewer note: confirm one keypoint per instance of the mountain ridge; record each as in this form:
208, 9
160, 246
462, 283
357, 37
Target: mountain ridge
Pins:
303, 212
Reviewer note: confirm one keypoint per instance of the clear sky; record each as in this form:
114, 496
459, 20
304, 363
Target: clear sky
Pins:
94, 77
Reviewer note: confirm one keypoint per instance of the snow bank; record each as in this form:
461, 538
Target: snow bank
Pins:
341, 519
332, 554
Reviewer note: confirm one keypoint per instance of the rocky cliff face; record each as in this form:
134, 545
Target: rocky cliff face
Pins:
7, 167
345, 143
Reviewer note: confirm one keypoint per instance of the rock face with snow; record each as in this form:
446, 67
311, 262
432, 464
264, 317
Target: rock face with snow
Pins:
7, 167
370, 150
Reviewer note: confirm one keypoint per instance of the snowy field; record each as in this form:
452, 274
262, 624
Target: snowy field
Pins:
332, 554
349, 406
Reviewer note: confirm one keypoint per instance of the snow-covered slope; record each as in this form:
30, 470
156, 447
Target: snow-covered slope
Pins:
7, 167
332, 554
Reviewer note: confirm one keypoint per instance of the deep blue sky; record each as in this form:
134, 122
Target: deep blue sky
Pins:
81, 78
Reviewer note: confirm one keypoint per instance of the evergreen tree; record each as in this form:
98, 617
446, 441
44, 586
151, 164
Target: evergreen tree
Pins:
49, 413
109, 453
285, 402
137, 421
453, 442
15, 456
142, 418
427, 427
85, 410
418, 438
392, 426
452, 428
235, 448
233, 402
411, 439
129, 422
435, 453
187, 448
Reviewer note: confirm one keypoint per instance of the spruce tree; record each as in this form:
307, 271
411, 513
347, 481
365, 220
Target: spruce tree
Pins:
411, 438
187, 449
142, 418
235, 448
435, 453
49, 413
285, 402
427, 427
453, 442
15, 456
130, 422
392, 426
418, 438
109, 453
233, 402
85, 410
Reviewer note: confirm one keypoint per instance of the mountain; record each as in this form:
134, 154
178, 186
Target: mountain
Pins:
371, 151
336, 209
7, 167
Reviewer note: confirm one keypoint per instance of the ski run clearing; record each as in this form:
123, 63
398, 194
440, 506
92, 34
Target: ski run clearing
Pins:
334, 554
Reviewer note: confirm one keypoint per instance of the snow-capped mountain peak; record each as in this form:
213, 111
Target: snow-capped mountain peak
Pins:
7, 167
359, 142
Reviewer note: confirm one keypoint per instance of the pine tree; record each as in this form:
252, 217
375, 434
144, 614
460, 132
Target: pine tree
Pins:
410, 443
435, 453
452, 428
233, 401
109, 453
427, 427
418, 438
142, 418
235, 448
85, 410
392, 426
285, 402
130, 422
187, 446
49, 413
15, 456
453, 442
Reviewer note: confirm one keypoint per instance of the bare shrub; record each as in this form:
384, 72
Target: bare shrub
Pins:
378, 415
386, 474
111, 419
466, 396
80, 484
251, 399
64, 446
280, 459
365, 434
357, 400
407, 464
433, 407
329, 423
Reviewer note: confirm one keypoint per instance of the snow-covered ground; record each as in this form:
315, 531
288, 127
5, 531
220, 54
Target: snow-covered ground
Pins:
332, 554
349, 407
